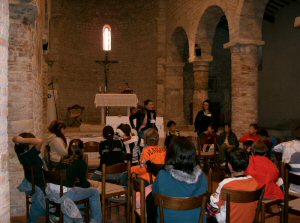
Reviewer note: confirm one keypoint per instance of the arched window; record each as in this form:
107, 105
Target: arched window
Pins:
106, 34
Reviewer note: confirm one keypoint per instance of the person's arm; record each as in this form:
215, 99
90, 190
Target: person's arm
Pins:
34, 141
236, 141
279, 148
131, 118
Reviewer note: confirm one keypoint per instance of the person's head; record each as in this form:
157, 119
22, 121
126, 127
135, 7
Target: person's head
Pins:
108, 132
253, 127
149, 104
57, 127
238, 160
210, 129
123, 130
171, 126
206, 105
151, 137
181, 154
259, 148
76, 148
262, 134
23, 147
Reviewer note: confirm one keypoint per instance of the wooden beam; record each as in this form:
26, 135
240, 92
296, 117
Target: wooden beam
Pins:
297, 22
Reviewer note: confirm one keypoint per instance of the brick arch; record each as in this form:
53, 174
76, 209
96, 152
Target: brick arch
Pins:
250, 14
206, 28
178, 50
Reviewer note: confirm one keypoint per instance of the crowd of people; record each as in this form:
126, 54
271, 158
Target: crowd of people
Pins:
175, 163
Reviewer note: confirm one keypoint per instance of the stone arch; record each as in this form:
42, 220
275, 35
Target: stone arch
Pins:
250, 13
206, 28
178, 50
177, 57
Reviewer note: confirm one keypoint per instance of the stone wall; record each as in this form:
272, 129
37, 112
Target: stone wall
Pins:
25, 82
75, 73
4, 175
279, 76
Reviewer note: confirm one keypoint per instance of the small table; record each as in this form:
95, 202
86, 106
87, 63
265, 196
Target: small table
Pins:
115, 100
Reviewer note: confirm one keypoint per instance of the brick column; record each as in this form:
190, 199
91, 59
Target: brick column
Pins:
244, 87
4, 177
174, 93
201, 82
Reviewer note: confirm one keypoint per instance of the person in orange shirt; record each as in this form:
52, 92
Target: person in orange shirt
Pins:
251, 137
238, 162
151, 152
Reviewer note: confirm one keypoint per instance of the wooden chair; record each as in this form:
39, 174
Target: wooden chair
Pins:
138, 185
107, 192
74, 113
90, 149
208, 155
243, 197
291, 203
61, 176
29, 169
180, 203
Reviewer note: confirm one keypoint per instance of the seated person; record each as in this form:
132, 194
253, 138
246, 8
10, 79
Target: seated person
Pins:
264, 171
27, 148
130, 142
55, 147
77, 186
251, 137
227, 141
210, 137
151, 152
181, 177
112, 151
238, 162
171, 125
291, 154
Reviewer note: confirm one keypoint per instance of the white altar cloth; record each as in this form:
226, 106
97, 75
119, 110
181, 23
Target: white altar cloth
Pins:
115, 100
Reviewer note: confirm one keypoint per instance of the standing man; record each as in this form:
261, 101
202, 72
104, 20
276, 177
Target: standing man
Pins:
145, 118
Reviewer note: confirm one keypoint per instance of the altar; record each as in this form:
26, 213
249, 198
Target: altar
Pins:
115, 100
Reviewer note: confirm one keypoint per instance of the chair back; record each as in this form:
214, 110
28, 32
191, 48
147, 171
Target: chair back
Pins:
138, 185
236, 196
91, 146
56, 176
181, 203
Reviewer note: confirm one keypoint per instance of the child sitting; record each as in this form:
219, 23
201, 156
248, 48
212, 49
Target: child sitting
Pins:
238, 162
171, 125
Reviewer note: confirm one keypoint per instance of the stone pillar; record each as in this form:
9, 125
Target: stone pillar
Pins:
174, 93
244, 87
4, 177
201, 82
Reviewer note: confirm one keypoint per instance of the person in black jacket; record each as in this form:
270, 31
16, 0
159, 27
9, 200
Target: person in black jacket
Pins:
145, 119
204, 118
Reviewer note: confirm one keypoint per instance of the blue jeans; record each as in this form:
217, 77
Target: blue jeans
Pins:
78, 193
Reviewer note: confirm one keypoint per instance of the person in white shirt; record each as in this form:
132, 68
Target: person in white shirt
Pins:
291, 154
